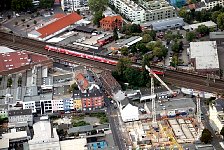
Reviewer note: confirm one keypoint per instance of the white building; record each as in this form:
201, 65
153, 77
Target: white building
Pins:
192, 27
204, 56
20, 116
129, 113
45, 136
209, 4
76, 144
216, 115
74, 5
130, 9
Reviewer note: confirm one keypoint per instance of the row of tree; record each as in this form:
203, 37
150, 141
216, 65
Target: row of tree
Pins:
216, 14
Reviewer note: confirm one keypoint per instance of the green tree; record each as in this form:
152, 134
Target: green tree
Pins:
182, 12
131, 28
97, 17
34, 22
132, 75
21, 5
122, 65
46, 3
146, 38
97, 5
73, 87
206, 136
202, 29
78, 11
190, 36
115, 35
222, 132
220, 21
141, 47
175, 47
215, 16
147, 58
124, 51
174, 61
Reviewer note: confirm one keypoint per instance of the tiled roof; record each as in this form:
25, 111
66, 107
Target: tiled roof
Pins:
20, 112
14, 60
59, 24
111, 19
82, 81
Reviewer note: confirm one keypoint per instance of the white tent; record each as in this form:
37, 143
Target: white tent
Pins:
129, 113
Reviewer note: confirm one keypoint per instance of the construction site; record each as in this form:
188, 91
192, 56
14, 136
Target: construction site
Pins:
167, 124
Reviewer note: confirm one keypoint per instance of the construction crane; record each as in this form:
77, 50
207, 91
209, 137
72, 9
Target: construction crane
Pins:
161, 81
153, 100
198, 115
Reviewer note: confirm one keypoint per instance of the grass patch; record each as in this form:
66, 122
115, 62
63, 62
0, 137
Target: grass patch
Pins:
79, 123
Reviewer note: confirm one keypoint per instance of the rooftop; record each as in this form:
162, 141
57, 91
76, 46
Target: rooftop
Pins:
4, 49
195, 26
110, 19
82, 81
76, 144
216, 35
20, 112
205, 54
80, 129
59, 24
4, 143
84, 29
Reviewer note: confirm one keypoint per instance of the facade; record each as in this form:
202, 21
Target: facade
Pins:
157, 10
216, 115
68, 104
111, 22
77, 102
74, 5
17, 116
204, 56
217, 36
209, 4
130, 10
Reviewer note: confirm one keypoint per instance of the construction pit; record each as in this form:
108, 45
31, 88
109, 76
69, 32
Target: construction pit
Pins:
168, 133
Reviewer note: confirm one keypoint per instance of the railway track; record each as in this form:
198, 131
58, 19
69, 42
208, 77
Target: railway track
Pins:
184, 79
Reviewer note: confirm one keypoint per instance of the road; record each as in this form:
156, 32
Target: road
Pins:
215, 140
114, 123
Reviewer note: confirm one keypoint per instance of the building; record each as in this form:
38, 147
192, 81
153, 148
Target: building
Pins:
111, 22
209, 24
209, 4
20, 116
45, 136
77, 102
157, 10
204, 56
4, 144
177, 3
82, 82
217, 36
74, 5
105, 40
110, 83
76, 144
130, 10
216, 115
92, 100
128, 111
55, 27
164, 24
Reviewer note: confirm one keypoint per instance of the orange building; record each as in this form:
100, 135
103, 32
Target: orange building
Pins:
111, 22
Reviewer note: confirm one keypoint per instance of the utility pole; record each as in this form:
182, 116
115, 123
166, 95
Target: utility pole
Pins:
153, 100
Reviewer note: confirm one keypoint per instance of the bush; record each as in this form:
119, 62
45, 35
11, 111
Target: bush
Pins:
80, 123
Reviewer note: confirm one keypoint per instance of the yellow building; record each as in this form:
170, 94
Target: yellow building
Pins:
77, 104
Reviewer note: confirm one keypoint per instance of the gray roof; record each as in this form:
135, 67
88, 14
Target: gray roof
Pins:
126, 41
20, 112
219, 108
93, 93
208, 1
165, 23
220, 102
80, 129
4, 107
125, 101
216, 35
103, 126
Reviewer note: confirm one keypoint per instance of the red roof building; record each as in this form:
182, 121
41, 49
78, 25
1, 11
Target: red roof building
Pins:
82, 82
13, 61
58, 25
111, 22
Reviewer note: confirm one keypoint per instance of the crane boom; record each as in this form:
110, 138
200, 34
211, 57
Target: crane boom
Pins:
161, 81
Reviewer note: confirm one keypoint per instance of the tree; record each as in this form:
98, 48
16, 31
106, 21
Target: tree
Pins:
175, 47
131, 28
23, 20
122, 65
222, 132
147, 58
34, 22
97, 5
190, 36
202, 29
141, 47
21, 5
115, 35
182, 12
9, 82
174, 61
16, 23
27, 25
46, 3
97, 17
206, 136
73, 87
124, 51
78, 11
220, 21
146, 38
132, 75
215, 16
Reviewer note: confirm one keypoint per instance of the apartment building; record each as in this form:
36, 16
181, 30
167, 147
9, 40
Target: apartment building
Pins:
111, 22
74, 5
157, 10
20, 116
209, 4
130, 10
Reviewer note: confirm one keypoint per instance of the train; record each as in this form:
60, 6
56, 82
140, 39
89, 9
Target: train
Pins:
91, 57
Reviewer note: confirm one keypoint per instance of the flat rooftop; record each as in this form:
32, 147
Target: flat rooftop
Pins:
195, 26
205, 54
216, 35
76, 144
